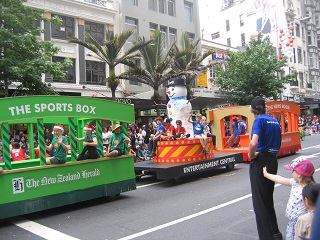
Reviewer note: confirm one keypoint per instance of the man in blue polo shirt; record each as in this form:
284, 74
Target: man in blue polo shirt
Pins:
263, 148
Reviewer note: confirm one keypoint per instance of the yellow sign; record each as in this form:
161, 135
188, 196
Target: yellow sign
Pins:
202, 80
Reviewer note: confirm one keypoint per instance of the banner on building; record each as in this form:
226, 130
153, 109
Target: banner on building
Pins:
202, 80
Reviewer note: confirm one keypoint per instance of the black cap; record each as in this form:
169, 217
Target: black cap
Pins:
258, 103
177, 82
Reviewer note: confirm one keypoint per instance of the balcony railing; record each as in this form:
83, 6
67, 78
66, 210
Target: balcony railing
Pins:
102, 3
294, 83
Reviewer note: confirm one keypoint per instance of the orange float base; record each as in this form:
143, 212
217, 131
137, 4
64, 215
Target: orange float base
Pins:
182, 151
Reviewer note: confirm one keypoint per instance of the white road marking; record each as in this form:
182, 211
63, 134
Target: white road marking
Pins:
150, 184
51, 234
42, 231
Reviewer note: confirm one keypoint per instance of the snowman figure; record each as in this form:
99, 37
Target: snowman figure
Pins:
178, 107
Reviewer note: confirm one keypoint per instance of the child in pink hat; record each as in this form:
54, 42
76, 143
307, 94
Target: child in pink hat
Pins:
302, 174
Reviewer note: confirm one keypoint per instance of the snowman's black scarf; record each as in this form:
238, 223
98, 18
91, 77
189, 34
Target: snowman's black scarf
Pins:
176, 103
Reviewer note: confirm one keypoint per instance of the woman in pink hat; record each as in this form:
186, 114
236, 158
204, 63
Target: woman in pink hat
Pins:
302, 174
60, 146
91, 149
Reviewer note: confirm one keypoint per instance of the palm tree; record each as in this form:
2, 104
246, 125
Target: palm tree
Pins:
188, 60
110, 53
157, 66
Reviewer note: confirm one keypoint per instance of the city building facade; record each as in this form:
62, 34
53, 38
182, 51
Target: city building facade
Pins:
96, 17
289, 22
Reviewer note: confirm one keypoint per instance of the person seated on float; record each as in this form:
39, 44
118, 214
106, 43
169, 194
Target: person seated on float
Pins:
116, 143
181, 132
91, 149
60, 145
154, 138
17, 153
208, 131
235, 138
199, 132
242, 127
169, 131
37, 150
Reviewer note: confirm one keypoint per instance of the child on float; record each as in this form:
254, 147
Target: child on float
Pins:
60, 145
17, 153
302, 174
116, 143
169, 130
91, 149
181, 132
199, 131
310, 194
208, 131
235, 138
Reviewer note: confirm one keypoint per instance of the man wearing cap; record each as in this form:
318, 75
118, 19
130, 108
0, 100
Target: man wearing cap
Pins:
116, 143
263, 148
91, 149
59, 144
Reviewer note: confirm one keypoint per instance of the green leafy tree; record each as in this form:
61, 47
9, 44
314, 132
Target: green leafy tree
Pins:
110, 53
23, 55
252, 72
188, 60
157, 66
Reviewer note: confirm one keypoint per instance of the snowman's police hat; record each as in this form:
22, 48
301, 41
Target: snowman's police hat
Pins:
177, 82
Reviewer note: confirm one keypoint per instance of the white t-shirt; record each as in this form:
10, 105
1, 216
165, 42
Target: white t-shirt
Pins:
106, 135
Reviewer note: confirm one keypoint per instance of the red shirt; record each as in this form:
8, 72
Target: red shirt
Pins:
182, 131
170, 129
17, 154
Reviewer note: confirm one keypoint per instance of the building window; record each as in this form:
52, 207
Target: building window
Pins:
95, 72
188, 11
162, 6
243, 40
212, 73
297, 30
299, 51
301, 80
96, 30
229, 42
172, 35
132, 2
153, 28
163, 31
152, 5
318, 41
227, 25
171, 8
304, 58
311, 62
317, 22
132, 24
65, 30
309, 38
215, 35
71, 71
241, 20
191, 36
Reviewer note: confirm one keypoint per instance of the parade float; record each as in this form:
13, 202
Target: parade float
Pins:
287, 114
30, 185
176, 159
